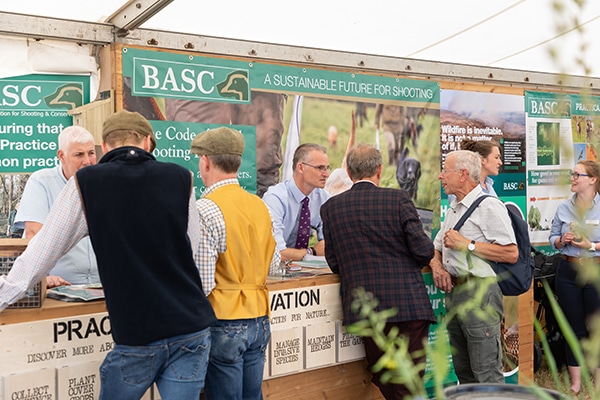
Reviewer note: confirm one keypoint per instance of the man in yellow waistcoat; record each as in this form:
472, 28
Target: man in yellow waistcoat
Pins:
237, 253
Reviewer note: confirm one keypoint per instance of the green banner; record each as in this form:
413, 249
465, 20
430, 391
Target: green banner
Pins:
556, 105
33, 111
163, 74
437, 333
585, 105
323, 82
562, 129
173, 141
193, 80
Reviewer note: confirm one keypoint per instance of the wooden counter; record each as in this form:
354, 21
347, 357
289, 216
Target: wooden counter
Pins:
51, 309
72, 338
349, 381
334, 381
342, 381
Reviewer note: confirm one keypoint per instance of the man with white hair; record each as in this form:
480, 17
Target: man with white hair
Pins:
75, 150
460, 268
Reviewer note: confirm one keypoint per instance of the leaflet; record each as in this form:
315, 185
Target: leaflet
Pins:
77, 293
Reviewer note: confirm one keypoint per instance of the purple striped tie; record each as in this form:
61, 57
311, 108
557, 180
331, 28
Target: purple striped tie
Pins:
303, 226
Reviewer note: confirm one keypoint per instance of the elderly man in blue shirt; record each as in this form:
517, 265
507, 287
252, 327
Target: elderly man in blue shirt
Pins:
76, 149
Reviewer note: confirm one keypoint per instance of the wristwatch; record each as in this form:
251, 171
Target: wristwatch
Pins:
471, 246
593, 246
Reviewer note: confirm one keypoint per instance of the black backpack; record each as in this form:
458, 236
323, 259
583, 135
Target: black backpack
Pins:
545, 270
513, 279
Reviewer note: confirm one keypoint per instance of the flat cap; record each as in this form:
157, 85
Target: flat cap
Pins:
221, 140
127, 120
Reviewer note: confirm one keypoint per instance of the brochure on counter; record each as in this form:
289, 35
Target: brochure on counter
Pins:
312, 262
76, 293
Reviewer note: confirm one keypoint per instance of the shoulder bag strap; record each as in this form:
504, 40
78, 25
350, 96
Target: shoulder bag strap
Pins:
469, 211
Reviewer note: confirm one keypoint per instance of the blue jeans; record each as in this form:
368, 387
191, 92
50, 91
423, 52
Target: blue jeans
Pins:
237, 359
177, 365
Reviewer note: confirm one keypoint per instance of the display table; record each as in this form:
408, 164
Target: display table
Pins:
59, 347
51, 309
333, 369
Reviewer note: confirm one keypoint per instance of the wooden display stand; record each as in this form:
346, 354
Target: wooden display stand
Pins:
349, 381
343, 381
71, 329
526, 337
51, 310
336, 380
309, 357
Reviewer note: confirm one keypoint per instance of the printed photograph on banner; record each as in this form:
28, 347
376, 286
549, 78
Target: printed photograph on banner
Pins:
549, 130
561, 130
499, 118
546, 190
585, 124
407, 137
548, 143
287, 106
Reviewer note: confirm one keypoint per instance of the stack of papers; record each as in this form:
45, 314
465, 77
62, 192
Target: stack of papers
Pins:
312, 262
76, 293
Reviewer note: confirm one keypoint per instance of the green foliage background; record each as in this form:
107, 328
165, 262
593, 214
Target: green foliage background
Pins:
318, 114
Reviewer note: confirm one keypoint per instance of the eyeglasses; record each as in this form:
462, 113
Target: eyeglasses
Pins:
321, 168
447, 171
576, 175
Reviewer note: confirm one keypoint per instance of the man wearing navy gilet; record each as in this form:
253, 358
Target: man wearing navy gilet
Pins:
142, 220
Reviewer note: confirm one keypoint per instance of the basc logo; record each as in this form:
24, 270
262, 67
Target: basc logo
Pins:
69, 96
513, 186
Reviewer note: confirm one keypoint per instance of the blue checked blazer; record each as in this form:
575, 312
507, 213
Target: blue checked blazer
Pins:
374, 239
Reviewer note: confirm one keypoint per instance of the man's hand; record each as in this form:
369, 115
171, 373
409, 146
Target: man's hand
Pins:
299, 254
455, 241
320, 248
441, 278
55, 281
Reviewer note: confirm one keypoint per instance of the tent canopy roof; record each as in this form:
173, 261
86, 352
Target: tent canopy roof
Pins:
512, 34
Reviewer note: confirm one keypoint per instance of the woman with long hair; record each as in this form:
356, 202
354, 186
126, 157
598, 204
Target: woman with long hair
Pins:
491, 160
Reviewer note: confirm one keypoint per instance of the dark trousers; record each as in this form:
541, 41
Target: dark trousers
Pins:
417, 332
578, 301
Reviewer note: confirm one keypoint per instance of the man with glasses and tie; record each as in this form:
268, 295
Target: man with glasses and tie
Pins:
295, 203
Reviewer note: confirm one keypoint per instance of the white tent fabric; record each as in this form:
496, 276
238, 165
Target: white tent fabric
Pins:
512, 34
293, 139
20, 56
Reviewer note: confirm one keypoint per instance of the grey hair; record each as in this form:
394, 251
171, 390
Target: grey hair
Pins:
363, 161
469, 160
73, 134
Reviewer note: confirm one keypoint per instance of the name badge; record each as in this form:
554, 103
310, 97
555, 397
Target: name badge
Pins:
592, 222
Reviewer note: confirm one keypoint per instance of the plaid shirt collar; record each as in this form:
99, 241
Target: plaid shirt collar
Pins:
224, 182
